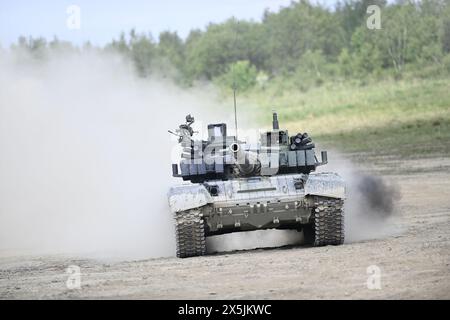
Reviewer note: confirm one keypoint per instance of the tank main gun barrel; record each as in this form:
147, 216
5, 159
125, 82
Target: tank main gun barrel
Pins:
244, 161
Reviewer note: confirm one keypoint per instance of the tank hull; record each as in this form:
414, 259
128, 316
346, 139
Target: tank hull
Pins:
289, 201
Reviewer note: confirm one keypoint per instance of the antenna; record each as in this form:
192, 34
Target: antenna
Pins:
234, 85
235, 112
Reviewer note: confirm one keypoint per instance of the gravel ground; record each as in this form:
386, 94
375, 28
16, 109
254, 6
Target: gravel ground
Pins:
414, 263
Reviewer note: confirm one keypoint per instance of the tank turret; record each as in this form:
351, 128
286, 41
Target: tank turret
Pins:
224, 157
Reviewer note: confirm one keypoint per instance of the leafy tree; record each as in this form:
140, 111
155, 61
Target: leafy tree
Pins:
171, 48
210, 54
37, 47
345, 62
352, 14
409, 31
297, 29
304, 42
366, 55
445, 28
120, 45
143, 52
240, 75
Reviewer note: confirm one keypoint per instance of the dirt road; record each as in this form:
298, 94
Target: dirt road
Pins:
413, 264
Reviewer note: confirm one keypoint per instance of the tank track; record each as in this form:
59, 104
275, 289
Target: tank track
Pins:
328, 221
190, 233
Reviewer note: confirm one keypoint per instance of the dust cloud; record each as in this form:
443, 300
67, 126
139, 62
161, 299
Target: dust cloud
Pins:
253, 239
85, 155
85, 162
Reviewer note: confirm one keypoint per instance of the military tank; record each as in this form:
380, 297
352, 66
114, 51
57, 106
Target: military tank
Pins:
232, 187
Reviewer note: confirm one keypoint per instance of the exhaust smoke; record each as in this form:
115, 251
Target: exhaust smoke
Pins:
371, 203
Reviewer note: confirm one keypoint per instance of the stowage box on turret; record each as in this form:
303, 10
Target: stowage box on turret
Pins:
235, 188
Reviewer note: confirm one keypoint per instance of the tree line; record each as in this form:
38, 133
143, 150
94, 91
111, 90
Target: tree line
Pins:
304, 41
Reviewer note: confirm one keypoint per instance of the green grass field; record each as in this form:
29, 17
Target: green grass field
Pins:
409, 117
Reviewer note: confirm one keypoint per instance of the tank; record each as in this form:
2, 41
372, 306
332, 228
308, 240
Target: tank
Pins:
231, 186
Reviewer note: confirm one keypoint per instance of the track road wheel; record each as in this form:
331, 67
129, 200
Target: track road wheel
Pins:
328, 221
190, 234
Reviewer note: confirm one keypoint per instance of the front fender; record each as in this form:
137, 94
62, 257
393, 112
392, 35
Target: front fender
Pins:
325, 184
186, 197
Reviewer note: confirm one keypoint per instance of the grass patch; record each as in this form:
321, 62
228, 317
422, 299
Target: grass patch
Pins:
420, 138
407, 117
